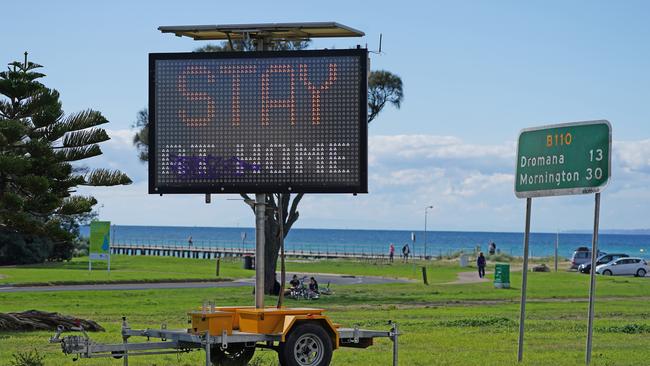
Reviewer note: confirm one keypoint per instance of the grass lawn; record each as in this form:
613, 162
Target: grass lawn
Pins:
123, 268
145, 268
471, 324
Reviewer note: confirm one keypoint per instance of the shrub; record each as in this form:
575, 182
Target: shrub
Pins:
31, 358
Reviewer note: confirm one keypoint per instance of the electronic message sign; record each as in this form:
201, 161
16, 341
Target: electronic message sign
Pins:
258, 122
570, 158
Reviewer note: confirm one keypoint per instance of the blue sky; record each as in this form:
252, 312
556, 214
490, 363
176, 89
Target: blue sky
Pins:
475, 73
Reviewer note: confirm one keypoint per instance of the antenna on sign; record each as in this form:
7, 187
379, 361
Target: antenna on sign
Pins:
378, 52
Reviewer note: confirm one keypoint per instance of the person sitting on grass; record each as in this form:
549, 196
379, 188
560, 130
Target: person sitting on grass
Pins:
295, 282
313, 285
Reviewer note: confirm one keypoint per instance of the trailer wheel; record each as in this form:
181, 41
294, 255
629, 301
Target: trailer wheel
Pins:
234, 355
308, 344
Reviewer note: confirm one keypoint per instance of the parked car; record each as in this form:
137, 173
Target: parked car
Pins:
582, 255
624, 266
603, 259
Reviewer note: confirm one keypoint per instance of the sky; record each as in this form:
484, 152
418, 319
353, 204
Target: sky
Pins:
474, 72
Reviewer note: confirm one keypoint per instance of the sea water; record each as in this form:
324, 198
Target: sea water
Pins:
378, 241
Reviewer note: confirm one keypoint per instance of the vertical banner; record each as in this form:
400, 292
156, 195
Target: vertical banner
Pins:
100, 239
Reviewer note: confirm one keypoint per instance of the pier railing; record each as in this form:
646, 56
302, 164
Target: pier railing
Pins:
208, 249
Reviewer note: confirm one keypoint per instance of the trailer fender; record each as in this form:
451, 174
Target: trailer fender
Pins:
325, 322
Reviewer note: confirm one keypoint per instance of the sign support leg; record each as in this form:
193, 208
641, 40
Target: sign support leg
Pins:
524, 282
260, 211
283, 272
557, 244
592, 275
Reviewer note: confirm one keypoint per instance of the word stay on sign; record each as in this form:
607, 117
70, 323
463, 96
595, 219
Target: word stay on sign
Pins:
563, 159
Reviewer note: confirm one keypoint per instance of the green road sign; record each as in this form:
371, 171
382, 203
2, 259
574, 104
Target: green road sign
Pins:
569, 158
99, 240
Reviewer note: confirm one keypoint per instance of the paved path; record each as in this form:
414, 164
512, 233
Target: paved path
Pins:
322, 279
472, 277
469, 277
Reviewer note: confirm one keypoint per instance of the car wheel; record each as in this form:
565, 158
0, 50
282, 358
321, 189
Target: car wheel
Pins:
607, 272
641, 272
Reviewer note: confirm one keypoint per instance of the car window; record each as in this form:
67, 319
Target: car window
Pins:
582, 255
634, 260
624, 261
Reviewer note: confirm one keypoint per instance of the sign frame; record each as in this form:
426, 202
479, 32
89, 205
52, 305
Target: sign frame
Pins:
361, 187
565, 191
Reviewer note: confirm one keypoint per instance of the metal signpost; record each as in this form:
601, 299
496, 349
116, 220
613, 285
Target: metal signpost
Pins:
563, 159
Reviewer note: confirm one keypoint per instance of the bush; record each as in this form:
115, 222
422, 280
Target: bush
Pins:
31, 358
17, 248
628, 329
493, 322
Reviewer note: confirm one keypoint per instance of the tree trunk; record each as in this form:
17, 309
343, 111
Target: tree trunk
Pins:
272, 230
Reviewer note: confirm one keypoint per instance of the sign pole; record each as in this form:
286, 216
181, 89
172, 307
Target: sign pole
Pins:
557, 244
592, 284
260, 217
283, 269
524, 282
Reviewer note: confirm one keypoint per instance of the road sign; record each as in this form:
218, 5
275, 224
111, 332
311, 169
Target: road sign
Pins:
563, 159
258, 122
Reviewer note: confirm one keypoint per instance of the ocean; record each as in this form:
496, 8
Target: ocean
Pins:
377, 241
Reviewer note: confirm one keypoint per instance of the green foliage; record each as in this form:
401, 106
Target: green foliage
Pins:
38, 145
141, 137
627, 329
491, 322
251, 45
383, 87
31, 358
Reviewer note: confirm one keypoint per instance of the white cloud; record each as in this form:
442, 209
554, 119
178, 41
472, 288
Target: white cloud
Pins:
470, 185
632, 155
120, 139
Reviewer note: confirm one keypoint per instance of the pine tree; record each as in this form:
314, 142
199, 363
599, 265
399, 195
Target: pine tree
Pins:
40, 151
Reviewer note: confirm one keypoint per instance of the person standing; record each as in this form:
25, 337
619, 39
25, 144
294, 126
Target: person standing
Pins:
391, 252
480, 263
492, 248
189, 241
405, 252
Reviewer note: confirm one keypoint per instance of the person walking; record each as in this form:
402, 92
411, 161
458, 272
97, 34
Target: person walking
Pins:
480, 263
405, 252
391, 252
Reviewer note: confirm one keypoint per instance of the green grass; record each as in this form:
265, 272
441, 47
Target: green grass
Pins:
123, 268
442, 324
141, 269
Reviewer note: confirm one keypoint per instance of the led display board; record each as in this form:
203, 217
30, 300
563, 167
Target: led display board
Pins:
258, 122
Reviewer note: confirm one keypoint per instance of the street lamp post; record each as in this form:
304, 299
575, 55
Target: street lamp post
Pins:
426, 211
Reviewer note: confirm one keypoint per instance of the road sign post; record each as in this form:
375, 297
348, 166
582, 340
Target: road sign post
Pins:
563, 159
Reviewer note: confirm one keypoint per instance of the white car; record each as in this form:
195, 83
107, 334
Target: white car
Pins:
624, 266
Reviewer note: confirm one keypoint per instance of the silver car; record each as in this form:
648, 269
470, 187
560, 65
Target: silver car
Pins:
624, 266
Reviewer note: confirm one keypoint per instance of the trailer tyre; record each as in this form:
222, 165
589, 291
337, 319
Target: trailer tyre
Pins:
234, 355
308, 344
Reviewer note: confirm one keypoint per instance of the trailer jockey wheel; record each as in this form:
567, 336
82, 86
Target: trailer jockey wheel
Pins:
234, 355
308, 344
